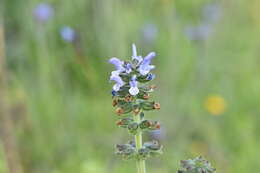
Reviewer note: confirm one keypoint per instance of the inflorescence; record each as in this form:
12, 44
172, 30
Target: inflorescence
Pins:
131, 97
196, 165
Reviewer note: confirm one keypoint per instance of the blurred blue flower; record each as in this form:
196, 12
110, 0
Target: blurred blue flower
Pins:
43, 12
145, 66
201, 32
211, 13
68, 34
133, 86
150, 32
119, 82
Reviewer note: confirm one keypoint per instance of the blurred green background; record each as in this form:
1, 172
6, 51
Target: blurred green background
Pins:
207, 73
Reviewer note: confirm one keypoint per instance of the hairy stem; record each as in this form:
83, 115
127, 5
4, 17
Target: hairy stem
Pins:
138, 143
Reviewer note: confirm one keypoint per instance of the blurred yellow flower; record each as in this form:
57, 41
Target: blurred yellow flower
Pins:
215, 104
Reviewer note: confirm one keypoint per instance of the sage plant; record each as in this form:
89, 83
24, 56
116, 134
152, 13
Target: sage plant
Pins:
131, 97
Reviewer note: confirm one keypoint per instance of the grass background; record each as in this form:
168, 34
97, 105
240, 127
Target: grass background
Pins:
60, 93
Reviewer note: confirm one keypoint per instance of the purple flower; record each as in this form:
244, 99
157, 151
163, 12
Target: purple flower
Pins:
133, 86
119, 82
135, 56
68, 34
43, 12
118, 64
145, 66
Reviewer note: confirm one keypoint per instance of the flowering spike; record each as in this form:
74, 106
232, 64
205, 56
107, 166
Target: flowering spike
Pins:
131, 97
131, 94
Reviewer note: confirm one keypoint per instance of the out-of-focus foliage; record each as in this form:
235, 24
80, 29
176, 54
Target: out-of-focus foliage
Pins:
60, 93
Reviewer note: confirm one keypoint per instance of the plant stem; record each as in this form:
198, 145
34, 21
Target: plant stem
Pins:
138, 143
7, 128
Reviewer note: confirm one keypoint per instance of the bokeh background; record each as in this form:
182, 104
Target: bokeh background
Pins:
59, 95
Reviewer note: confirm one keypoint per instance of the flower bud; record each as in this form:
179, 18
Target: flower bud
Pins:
124, 122
147, 105
136, 109
119, 123
152, 87
155, 126
158, 126
149, 125
119, 111
114, 102
125, 106
146, 96
143, 94
122, 92
153, 145
154, 148
145, 124
126, 151
133, 128
157, 106
129, 98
